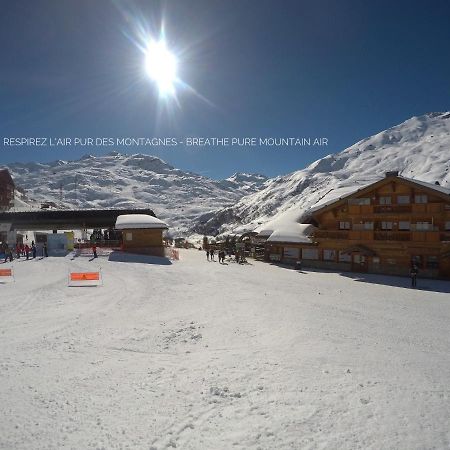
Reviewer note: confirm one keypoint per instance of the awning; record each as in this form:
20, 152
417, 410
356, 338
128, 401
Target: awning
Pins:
366, 251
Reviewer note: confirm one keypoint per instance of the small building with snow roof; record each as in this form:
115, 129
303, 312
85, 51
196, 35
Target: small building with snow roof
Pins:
142, 233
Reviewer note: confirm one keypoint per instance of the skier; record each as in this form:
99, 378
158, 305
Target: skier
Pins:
413, 273
212, 254
207, 254
18, 250
33, 250
94, 250
44, 251
27, 251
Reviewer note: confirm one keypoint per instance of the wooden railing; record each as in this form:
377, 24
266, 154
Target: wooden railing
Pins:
334, 234
392, 236
380, 209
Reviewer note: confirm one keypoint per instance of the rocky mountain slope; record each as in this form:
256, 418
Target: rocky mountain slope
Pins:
124, 181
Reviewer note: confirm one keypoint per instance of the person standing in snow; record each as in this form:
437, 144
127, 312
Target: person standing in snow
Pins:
94, 250
27, 251
33, 250
212, 254
8, 254
207, 254
44, 250
413, 273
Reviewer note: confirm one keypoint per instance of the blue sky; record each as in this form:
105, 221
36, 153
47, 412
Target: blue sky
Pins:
336, 69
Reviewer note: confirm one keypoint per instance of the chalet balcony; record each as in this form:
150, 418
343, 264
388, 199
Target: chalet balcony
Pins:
396, 209
392, 236
331, 234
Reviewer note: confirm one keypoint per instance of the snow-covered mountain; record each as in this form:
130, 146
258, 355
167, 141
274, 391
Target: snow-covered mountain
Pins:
418, 148
124, 181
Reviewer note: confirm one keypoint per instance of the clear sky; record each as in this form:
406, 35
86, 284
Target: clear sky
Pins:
260, 68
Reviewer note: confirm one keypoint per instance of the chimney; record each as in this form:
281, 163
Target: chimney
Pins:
393, 173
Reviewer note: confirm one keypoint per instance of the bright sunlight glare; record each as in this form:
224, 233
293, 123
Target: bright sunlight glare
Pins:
161, 66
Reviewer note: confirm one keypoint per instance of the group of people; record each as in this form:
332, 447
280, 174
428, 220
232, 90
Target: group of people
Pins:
210, 254
23, 250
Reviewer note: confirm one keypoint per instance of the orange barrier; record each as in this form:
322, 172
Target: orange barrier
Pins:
80, 279
79, 276
6, 275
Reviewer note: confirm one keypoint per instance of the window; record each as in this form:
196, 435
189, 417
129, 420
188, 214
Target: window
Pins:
368, 225
404, 225
310, 253
421, 198
344, 257
291, 253
385, 200
432, 262
329, 255
386, 225
344, 225
403, 199
447, 226
128, 236
423, 226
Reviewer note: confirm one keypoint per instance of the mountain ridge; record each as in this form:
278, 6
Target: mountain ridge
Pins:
116, 180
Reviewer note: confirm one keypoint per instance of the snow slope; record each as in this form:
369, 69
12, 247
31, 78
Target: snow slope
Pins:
198, 355
418, 148
123, 181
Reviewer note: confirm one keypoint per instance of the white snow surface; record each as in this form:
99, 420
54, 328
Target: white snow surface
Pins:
131, 181
418, 148
198, 355
129, 221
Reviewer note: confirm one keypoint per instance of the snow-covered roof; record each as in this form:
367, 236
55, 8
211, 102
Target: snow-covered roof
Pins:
338, 194
129, 221
349, 191
295, 232
436, 187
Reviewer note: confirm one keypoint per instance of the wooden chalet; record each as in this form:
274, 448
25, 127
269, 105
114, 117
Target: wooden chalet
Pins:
142, 233
384, 227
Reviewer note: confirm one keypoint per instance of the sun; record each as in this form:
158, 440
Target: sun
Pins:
161, 66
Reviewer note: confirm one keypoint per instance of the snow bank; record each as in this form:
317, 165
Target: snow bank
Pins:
133, 221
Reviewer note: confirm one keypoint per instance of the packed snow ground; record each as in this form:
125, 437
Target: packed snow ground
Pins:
198, 355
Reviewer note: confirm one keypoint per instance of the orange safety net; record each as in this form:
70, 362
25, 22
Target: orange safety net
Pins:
5, 273
85, 276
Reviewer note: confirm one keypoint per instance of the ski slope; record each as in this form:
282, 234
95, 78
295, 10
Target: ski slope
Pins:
198, 355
